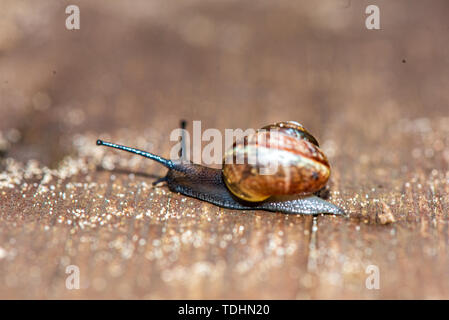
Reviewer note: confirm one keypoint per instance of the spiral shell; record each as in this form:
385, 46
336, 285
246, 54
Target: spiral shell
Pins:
279, 159
292, 128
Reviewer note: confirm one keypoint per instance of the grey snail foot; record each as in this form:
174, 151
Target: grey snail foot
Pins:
212, 189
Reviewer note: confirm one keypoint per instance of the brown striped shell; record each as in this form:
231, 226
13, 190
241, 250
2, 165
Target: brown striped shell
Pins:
279, 159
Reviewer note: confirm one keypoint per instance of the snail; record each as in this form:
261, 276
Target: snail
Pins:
301, 171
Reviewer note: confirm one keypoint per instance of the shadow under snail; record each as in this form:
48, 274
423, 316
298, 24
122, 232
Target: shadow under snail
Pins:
301, 171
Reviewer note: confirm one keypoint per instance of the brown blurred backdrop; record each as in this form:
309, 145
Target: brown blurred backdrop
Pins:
237, 61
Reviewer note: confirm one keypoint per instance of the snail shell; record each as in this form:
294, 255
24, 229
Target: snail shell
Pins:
280, 159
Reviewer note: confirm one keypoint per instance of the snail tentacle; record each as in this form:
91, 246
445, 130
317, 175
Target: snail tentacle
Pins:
165, 162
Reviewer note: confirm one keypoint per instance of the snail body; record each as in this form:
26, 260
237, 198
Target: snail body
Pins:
301, 170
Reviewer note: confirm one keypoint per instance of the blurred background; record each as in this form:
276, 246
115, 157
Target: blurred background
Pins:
377, 100
230, 64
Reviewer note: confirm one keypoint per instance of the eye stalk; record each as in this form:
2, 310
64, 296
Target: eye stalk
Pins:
165, 162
